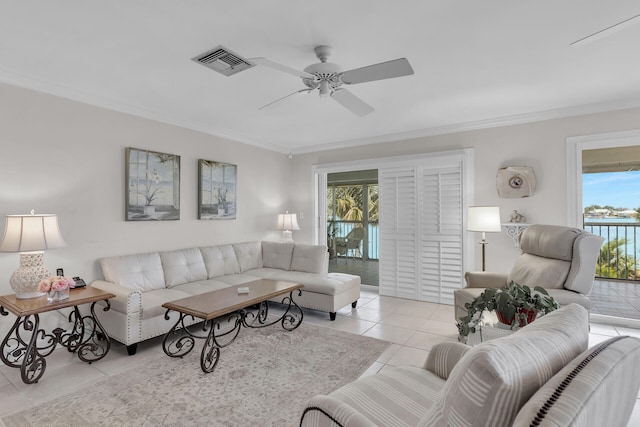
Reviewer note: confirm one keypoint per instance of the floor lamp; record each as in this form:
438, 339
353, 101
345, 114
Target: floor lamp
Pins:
485, 219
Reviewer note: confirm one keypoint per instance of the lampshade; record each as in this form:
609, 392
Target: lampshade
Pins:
287, 221
483, 218
30, 235
26, 233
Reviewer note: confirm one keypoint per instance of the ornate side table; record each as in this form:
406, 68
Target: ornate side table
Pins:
26, 344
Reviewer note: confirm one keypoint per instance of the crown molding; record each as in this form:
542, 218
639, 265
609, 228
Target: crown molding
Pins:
476, 125
66, 92
48, 87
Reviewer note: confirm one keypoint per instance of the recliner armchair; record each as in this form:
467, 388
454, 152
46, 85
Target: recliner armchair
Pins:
560, 259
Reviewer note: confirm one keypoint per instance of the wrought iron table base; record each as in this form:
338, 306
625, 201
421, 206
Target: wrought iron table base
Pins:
87, 339
179, 341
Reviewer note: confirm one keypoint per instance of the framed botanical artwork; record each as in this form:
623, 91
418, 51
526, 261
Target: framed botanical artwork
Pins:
217, 190
153, 186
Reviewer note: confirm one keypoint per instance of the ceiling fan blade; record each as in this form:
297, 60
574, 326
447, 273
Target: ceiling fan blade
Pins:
351, 102
280, 67
285, 97
607, 31
384, 70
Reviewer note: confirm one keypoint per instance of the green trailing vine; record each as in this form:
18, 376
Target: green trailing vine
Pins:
513, 301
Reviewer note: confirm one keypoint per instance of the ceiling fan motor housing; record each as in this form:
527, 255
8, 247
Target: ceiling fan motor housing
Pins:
323, 72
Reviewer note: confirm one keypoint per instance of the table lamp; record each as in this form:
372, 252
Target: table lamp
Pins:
485, 219
30, 235
288, 222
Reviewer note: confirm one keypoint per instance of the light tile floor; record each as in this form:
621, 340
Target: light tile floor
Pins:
618, 298
412, 326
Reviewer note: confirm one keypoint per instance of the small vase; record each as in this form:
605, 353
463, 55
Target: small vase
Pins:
58, 295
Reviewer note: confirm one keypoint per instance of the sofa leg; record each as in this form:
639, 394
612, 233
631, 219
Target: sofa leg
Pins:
353, 304
332, 315
131, 349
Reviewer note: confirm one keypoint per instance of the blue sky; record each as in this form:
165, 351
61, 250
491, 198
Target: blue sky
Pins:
617, 189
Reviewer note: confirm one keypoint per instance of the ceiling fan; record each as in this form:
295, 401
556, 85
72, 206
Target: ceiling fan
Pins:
328, 78
607, 31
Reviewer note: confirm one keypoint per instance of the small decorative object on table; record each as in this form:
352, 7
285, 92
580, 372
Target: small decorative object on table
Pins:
56, 287
515, 305
517, 218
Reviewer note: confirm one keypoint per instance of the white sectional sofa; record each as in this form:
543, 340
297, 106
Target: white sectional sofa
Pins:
143, 282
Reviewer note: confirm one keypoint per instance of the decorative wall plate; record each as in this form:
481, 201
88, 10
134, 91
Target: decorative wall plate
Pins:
515, 182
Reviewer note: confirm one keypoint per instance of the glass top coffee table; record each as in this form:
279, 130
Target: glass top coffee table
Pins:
489, 328
232, 301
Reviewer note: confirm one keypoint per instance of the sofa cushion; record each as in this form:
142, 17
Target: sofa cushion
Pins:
494, 379
327, 284
249, 255
608, 372
309, 258
201, 286
238, 279
220, 260
152, 301
141, 272
532, 270
277, 255
183, 266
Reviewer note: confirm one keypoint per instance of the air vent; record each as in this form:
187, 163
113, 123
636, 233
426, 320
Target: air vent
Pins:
223, 61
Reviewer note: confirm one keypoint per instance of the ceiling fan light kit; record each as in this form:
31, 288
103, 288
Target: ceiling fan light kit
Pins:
329, 78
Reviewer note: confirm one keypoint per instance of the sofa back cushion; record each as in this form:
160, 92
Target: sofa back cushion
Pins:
183, 266
277, 255
309, 258
141, 272
597, 388
490, 384
220, 260
249, 255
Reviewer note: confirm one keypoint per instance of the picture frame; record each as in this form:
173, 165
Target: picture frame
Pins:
217, 190
152, 182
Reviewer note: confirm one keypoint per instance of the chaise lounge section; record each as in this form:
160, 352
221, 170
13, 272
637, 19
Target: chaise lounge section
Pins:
143, 282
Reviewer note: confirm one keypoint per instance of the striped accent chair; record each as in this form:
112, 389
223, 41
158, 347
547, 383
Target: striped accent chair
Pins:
486, 385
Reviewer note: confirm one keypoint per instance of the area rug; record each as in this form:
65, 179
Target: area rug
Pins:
264, 378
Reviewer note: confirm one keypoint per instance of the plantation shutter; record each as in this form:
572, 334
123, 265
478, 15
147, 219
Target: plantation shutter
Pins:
398, 223
421, 230
441, 235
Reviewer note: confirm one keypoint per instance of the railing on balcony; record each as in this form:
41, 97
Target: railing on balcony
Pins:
618, 257
370, 244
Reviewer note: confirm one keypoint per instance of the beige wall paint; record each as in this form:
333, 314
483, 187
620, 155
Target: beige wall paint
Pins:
64, 157
541, 145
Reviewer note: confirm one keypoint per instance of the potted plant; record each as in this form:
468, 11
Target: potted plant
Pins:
515, 305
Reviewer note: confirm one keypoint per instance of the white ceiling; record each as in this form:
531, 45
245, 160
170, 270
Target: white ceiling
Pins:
477, 63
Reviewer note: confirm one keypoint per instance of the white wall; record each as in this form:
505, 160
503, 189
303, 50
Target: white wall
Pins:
540, 144
64, 157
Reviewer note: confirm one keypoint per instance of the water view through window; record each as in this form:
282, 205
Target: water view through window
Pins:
611, 207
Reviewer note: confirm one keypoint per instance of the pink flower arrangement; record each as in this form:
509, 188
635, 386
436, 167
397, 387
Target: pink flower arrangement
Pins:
56, 283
